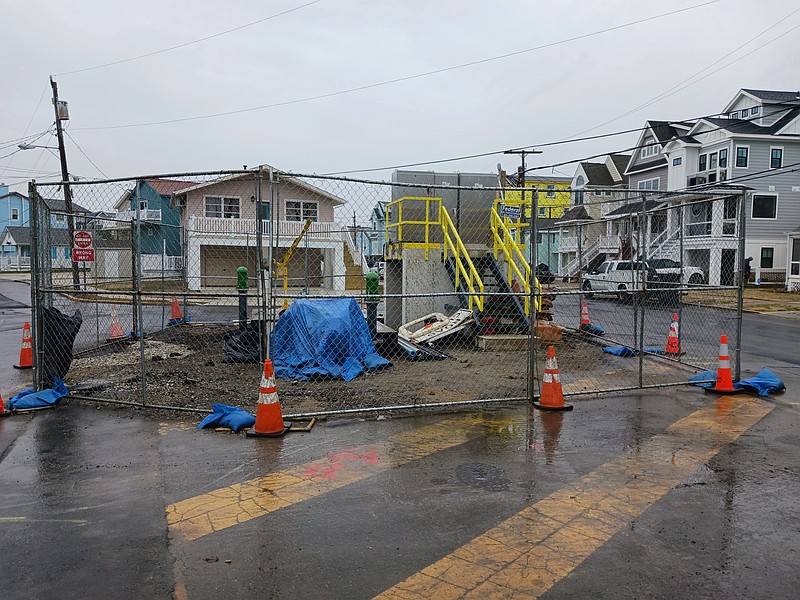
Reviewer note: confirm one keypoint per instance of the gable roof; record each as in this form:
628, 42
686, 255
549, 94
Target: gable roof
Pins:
22, 236
748, 126
59, 206
167, 187
620, 162
307, 186
598, 174
773, 95
574, 214
17, 194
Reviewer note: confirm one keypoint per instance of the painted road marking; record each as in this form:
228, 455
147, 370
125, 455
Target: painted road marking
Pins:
527, 554
214, 511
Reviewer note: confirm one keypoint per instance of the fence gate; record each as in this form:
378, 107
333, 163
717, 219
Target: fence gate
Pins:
370, 296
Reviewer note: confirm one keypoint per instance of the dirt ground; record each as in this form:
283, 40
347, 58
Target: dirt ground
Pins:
185, 368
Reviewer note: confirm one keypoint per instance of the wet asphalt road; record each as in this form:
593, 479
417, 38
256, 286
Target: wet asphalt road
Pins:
101, 502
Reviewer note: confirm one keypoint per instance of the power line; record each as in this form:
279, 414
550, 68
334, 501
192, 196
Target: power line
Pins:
197, 41
84, 153
669, 92
403, 79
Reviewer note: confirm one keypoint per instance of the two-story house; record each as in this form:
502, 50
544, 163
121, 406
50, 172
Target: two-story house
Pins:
16, 236
219, 220
583, 237
755, 142
160, 224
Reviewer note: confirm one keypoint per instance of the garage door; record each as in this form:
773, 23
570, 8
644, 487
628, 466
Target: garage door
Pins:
218, 265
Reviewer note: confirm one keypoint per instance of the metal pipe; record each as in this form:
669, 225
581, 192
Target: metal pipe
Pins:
737, 374
138, 291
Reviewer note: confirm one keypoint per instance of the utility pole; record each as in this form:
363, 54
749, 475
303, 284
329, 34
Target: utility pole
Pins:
521, 183
76, 280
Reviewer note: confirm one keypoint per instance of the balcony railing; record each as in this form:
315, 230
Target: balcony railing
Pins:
151, 214
209, 226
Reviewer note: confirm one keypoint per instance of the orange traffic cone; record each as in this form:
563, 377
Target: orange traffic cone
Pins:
724, 384
177, 314
585, 322
673, 340
269, 421
552, 397
115, 330
3, 411
26, 352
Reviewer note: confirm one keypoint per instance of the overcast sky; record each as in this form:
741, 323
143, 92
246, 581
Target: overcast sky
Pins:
331, 46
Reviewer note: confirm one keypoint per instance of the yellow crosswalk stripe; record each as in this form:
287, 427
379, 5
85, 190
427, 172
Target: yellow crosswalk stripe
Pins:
527, 554
219, 509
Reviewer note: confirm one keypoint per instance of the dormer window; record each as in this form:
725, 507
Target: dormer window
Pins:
650, 148
754, 110
734, 115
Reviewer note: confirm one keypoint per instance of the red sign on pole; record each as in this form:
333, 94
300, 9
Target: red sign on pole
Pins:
82, 247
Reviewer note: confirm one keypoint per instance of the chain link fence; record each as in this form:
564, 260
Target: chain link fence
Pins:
376, 295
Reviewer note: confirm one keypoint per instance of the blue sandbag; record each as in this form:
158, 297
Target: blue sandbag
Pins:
619, 351
41, 399
228, 416
765, 383
705, 379
323, 338
592, 329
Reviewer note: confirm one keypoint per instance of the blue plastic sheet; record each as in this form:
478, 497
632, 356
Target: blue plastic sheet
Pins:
704, 379
592, 329
41, 399
228, 416
619, 351
323, 338
764, 384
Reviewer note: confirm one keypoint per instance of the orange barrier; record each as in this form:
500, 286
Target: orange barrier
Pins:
673, 340
177, 314
26, 352
552, 395
724, 384
269, 420
115, 331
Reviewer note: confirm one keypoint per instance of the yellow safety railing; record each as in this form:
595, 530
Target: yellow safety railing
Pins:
518, 267
464, 267
432, 209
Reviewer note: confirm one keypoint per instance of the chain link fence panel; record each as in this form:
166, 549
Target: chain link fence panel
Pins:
374, 295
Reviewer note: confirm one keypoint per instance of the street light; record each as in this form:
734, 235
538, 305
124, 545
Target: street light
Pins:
32, 146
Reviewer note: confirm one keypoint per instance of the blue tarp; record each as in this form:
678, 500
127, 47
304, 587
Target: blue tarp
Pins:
619, 350
323, 338
32, 399
763, 384
228, 416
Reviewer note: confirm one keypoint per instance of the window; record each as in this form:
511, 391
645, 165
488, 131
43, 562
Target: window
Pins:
300, 211
767, 256
218, 207
723, 158
15, 214
54, 252
775, 158
649, 184
701, 166
598, 192
765, 206
733, 115
742, 154
729, 209
676, 162
712, 161
60, 219
143, 206
795, 264
754, 110
649, 148
542, 211
551, 191
579, 197
66, 252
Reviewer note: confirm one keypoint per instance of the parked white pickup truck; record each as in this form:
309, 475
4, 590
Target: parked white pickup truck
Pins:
618, 276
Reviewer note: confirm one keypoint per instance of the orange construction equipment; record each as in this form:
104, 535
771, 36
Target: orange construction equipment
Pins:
673, 340
3, 411
552, 396
115, 331
724, 384
585, 322
26, 353
269, 421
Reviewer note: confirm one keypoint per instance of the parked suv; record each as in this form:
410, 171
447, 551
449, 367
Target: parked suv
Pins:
618, 276
689, 275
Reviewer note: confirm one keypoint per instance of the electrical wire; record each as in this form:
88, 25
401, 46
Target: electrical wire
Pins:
197, 41
406, 78
84, 153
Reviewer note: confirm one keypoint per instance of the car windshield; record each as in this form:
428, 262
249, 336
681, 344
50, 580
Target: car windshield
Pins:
664, 263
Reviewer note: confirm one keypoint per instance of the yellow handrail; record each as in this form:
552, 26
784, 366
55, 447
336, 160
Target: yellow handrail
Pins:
464, 266
504, 240
428, 222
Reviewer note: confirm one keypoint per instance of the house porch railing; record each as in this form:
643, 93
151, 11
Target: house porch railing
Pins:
285, 229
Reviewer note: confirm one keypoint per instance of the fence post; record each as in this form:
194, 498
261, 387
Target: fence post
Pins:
740, 299
137, 298
643, 238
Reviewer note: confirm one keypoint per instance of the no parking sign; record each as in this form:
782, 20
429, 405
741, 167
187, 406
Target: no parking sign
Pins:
82, 247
